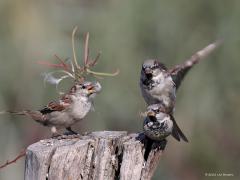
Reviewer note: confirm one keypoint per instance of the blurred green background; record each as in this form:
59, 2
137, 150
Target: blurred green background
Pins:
127, 33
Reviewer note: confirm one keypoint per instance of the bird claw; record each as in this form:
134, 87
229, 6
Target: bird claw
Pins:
70, 131
55, 135
70, 136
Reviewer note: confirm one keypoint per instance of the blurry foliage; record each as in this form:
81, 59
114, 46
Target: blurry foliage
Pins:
127, 32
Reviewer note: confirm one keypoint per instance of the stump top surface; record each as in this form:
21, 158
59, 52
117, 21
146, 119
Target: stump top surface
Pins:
109, 134
100, 155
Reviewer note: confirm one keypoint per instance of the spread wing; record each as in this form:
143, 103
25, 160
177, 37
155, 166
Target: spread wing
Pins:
178, 72
60, 105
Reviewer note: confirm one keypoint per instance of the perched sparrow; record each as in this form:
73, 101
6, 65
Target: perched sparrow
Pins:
158, 124
159, 84
70, 109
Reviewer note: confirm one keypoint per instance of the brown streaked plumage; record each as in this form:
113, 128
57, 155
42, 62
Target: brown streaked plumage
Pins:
68, 110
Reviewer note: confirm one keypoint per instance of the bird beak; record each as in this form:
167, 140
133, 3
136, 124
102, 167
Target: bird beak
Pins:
148, 71
94, 88
151, 113
91, 89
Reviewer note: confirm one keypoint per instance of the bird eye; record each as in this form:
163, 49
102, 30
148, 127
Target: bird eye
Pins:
84, 87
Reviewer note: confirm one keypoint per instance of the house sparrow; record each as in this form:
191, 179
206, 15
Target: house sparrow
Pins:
71, 108
158, 124
159, 84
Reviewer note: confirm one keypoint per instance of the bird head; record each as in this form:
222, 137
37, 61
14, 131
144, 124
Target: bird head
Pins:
86, 89
151, 68
156, 111
152, 111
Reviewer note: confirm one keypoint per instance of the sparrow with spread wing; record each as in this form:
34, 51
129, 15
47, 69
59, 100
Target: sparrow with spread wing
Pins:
68, 110
159, 84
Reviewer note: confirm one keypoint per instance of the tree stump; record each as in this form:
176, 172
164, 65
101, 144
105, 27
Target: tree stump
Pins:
100, 155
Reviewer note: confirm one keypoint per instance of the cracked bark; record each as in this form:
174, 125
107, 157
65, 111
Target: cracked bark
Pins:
99, 155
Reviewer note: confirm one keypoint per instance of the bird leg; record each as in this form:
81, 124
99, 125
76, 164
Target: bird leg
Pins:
55, 134
71, 132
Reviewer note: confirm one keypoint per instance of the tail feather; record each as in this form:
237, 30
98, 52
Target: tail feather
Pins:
13, 112
35, 115
177, 132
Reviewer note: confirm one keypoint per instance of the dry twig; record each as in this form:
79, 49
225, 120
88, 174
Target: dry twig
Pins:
74, 70
19, 156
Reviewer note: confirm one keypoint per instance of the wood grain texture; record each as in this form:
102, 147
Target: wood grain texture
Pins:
104, 155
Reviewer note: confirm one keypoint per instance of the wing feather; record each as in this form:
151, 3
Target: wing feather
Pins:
60, 105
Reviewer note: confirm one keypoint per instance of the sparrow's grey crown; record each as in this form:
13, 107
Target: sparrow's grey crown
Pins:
153, 64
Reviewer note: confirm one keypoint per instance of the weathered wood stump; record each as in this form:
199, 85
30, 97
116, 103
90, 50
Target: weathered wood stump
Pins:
99, 155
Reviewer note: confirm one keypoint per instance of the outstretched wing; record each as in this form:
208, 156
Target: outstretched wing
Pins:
178, 72
177, 132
